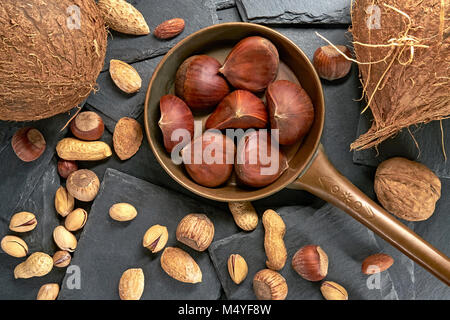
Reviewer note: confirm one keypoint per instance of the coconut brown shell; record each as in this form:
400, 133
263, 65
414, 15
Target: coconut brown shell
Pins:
49, 62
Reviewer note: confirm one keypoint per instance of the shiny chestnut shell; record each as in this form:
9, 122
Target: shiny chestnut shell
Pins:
291, 110
199, 83
28, 144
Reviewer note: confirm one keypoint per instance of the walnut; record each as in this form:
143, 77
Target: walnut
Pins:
407, 189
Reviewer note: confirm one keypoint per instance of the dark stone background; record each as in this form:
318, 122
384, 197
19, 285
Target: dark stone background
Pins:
104, 255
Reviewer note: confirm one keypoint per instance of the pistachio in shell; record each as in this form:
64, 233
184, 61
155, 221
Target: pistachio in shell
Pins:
23, 222
122, 212
61, 258
155, 238
237, 268
14, 246
64, 202
64, 239
76, 219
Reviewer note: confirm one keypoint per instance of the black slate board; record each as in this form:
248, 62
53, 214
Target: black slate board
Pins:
429, 140
345, 241
129, 48
113, 102
295, 11
107, 247
224, 4
41, 203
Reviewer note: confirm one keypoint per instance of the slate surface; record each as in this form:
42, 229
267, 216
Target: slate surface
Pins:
224, 4
113, 102
41, 203
345, 241
429, 150
129, 48
295, 11
107, 247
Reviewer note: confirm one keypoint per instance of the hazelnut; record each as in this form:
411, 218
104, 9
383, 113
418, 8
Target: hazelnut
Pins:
333, 291
23, 222
196, 231
66, 167
83, 185
407, 189
237, 268
269, 285
330, 64
87, 125
64, 202
76, 219
64, 239
61, 259
28, 144
155, 238
311, 262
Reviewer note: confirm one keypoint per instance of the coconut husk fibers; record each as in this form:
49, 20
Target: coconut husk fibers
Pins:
404, 65
47, 67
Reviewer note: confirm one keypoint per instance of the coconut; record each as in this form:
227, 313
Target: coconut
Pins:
403, 49
51, 53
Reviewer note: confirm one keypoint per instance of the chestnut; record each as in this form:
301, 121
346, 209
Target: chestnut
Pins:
175, 114
258, 161
28, 144
209, 158
330, 64
291, 110
66, 167
240, 109
199, 83
252, 64
87, 125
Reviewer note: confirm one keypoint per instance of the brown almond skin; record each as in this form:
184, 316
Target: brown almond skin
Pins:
28, 144
195, 231
376, 263
169, 28
127, 138
87, 125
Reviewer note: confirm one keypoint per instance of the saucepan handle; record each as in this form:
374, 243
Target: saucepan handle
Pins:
323, 180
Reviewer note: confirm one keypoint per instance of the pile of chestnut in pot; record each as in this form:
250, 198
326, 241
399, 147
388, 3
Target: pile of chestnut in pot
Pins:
233, 94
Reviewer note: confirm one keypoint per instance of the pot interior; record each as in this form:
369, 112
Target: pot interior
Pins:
217, 41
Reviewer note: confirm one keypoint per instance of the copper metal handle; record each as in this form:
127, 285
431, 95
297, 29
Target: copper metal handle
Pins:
324, 181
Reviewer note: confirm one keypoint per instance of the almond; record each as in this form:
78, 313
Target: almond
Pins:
121, 16
125, 76
169, 29
127, 138
376, 263
131, 284
178, 264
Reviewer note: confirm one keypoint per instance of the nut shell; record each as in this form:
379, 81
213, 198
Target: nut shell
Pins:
14, 246
123, 17
169, 28
61, 259
37, 265
87, 125
273, 240
74, 149
237, 268
127, 138
178, 264
22, 222
131, 284
311, 263
333, 291
330, 64
269, 285
76, 219
66, 167
376, 263
196, 231
64, 202
48, 291
83, 185
64, 239
244, 215
155, 238
122, 212
125, 76
28, 144
407, 189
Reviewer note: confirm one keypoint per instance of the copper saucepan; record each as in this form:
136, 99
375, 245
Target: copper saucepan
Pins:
309, 168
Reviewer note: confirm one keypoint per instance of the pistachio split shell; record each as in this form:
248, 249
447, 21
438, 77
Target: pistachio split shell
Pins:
155, 238
64, 202
237, 268
48, 291
76, 219
122, 212
23, 222
333, 291
37, 265
61, 259
14, 246
64, 239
